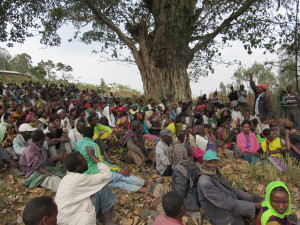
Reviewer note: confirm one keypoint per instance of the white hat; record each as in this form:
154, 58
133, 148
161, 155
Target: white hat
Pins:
26, 127
60, 111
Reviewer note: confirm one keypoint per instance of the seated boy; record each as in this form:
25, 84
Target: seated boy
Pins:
174, 207
81, 198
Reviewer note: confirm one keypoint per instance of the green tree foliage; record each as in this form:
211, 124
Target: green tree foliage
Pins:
163, 36
49, 66
286, 69
4, 59
21, 63
261, 74
38, 71
222, 87
65, 71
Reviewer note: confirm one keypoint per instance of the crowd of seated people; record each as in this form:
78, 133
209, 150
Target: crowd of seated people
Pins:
60, 138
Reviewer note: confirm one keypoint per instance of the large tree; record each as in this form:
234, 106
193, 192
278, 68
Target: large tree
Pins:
163, 36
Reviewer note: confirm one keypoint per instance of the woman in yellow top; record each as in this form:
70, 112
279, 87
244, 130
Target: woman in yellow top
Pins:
271, 145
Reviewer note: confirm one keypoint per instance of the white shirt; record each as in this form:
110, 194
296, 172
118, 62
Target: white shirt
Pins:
241, 98
69, 127
201, 142
73, 196
235, 115
178, 110
74, 136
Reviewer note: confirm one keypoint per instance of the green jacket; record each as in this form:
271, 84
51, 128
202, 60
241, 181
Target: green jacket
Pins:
92, 166
100, 128
3, 127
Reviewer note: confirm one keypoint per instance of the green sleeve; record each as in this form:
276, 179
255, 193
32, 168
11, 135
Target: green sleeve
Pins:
104, 128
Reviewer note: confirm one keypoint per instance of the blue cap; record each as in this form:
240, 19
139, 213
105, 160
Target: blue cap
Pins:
210, 155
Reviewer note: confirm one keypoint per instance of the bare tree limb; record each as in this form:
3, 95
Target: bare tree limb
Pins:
226, 23
100, 16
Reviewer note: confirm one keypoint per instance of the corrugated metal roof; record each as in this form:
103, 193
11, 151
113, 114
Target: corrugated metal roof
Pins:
14, 72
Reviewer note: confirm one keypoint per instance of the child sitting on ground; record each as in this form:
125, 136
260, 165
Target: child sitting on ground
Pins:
276, 208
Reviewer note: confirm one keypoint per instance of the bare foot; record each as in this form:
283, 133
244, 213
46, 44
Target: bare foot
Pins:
148, 183
144, 189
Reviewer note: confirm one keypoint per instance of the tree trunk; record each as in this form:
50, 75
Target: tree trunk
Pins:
166, 82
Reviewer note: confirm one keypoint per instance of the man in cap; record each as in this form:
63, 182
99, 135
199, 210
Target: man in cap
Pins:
263, 105
163, 164
22, 140
223, 204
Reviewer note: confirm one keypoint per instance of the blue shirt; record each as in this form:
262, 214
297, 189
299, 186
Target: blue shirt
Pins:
256, 104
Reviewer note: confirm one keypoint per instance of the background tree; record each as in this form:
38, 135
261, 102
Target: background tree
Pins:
261, 75
38, 71
4, 59
163, 36
49, 66
21, 63
65, 72
222, 88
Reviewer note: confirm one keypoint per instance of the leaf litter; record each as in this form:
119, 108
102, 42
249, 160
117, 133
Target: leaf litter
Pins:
251, 178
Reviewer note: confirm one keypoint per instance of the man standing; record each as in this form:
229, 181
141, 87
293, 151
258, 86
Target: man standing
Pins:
81, 198
233, 96
242, 97
292, 106
263, 105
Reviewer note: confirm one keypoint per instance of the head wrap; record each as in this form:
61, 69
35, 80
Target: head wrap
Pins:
267, 203
200, 107
29, 116
148, 114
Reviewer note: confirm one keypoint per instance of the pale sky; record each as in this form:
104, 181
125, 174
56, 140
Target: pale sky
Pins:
87, 65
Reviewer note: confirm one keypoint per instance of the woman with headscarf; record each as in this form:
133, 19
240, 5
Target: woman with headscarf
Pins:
109, 116
133, 110
276, 208
31, 119
151, 126
194, 134
184, 177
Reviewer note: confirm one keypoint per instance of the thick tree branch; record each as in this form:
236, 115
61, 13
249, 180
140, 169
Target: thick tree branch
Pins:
226, 23
100, 16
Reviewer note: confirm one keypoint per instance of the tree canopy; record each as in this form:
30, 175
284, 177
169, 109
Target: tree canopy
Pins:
163, 36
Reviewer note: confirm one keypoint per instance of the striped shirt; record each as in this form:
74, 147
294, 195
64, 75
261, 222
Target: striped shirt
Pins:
292, 100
